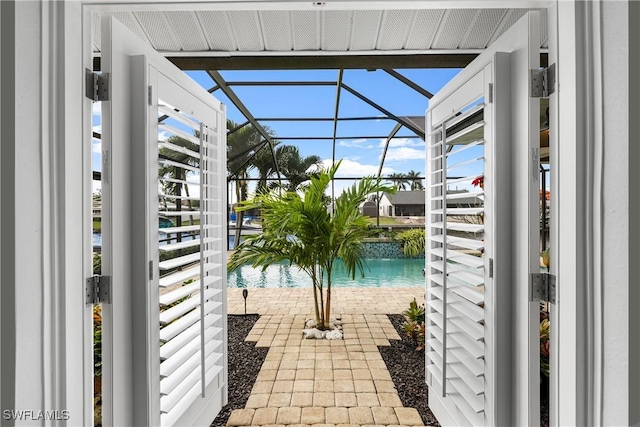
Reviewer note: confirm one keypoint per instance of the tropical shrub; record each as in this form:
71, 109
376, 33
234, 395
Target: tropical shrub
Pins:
544, 347
412, 241
97, 263
299, 228
414, 325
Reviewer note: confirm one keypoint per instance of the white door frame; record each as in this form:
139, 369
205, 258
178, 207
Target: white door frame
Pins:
61, 26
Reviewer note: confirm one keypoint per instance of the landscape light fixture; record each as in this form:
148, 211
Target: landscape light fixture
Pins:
245, 294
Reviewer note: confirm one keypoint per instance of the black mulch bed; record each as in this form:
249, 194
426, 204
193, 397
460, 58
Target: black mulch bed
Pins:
406, 366
245, 361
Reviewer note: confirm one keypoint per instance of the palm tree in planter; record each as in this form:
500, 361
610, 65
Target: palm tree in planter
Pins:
298, 228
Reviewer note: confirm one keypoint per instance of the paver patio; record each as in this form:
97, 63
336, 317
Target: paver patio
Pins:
320, 382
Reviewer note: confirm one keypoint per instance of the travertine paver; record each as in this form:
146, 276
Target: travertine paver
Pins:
289, 415
264, 416
241, 417
320, 383
293, 301
408, 416
360, 415
312, 415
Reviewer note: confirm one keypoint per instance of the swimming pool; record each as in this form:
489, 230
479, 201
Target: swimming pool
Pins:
402, 272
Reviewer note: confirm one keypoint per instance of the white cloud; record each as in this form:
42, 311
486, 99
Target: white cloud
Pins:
96, 109
404, 153
350, 168
403, 142
352, 143
96, 145
97, 128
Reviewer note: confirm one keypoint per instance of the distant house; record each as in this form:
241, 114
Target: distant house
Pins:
403, 203
412, 203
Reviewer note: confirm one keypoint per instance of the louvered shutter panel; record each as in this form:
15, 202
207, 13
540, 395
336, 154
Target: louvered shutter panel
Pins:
455, 346
192, 284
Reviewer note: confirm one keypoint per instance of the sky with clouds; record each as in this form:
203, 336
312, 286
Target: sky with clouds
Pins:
360, 144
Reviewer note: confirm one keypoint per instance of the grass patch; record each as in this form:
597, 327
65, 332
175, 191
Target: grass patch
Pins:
384, 220
97, 226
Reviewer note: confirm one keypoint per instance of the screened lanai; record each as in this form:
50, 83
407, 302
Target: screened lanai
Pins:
359, 96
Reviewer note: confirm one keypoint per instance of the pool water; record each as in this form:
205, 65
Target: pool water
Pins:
378, 273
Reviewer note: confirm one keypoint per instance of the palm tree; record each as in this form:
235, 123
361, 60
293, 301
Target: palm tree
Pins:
414, 178
242, 143
293, 166
399, 180
298, 228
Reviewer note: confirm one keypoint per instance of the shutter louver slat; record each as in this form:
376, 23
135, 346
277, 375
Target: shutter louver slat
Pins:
461, 339
179, 132
458, 226
451, 139
473, 418
185, 229
178, 326
185, 360
178, 116
180, 245
473, 365
179, 261
178, 293
178, 149
475, 330
475, 384
465, 195
460, 258
465, 163
178, 165
180, 276
170, 418
171, 314
195, 214
436, 373
459, 242
169, 401
472, 311
466, 277
436, 332
474, 400
459, 211
468, 293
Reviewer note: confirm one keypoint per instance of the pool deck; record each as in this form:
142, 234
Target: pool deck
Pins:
321, 383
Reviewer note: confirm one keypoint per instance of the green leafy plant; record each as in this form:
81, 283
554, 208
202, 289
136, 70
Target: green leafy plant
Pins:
97, 263
97, 340
415, 312
544, 347
414, 325
413, 241
299, 228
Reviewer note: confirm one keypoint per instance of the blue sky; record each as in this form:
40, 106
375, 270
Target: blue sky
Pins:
360, 156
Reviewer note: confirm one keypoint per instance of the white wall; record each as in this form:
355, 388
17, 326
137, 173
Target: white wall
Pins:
28, 205
45, 215
615, 250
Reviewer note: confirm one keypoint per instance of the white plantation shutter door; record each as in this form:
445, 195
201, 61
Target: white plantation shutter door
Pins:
481, 343
457, 257
190, 176
165, 346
